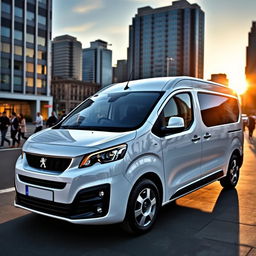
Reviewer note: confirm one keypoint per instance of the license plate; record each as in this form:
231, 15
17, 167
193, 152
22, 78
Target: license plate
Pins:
39, 193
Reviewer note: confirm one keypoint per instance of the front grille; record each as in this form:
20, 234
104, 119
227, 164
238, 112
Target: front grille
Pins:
43, 183
85, 205
48, 163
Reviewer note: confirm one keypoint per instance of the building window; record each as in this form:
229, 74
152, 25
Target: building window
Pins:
30, 67
30, 16
41, 20
6, 8
30, 38
41, 69
5, 79
18, 50
18, 35
5, 47
30, 53
18, 12
42, 1
18, 65
39, 55
17, 80
39, 83
5, 32
5, 63
41, 41
30, 82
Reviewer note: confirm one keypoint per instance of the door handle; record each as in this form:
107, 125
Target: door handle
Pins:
207, 135
196, 138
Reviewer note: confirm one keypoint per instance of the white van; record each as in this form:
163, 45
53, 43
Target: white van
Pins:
131, 148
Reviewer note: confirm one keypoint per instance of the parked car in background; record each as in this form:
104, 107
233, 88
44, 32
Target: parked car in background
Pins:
131, 148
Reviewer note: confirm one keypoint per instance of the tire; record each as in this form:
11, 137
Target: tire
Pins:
231, 180
143, 207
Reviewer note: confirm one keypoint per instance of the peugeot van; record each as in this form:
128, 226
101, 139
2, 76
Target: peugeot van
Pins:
130, 149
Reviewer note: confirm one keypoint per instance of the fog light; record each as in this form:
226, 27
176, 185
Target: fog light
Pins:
101, 193
99, 210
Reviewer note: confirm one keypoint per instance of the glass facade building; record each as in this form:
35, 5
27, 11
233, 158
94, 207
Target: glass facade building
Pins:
97, 63
66, 58
167, 41
24, 52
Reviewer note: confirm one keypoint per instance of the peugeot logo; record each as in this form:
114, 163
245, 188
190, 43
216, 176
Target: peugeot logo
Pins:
43, 161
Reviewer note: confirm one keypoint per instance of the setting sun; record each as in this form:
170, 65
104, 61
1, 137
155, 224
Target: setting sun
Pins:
238, 84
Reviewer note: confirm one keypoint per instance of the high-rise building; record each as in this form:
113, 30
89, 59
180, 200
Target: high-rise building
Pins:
120, 72
66, 58
25, 56
97, 63
220, 78
167, 41
249, 99
250, 69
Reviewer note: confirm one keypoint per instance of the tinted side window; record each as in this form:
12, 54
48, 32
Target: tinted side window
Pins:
217, 109
180, 105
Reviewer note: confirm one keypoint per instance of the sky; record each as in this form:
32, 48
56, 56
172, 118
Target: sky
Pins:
227, 23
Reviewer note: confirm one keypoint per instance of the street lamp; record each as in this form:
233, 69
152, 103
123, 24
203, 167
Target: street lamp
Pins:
169, 61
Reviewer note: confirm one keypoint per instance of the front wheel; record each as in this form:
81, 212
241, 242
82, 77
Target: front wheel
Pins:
142, 208
231, 180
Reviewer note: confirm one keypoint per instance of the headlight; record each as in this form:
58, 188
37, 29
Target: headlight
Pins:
104, 156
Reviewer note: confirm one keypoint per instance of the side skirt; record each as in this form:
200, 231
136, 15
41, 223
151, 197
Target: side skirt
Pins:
197, 185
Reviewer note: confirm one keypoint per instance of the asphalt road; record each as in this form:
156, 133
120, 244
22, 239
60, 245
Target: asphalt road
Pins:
8, 159
210, 221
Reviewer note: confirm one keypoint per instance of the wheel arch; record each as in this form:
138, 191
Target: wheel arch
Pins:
154, 178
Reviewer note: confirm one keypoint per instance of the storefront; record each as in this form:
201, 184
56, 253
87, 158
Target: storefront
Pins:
28, 105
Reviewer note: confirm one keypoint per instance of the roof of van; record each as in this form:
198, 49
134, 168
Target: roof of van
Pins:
167, 83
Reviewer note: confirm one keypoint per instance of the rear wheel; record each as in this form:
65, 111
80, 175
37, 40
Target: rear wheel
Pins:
143, 207
231, 180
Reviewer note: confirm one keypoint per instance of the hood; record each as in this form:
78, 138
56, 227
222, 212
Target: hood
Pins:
72, 143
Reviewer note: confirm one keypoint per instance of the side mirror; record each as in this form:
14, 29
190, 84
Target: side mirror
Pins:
176, 123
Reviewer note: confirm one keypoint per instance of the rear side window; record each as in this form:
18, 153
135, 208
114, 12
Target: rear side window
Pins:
218, 109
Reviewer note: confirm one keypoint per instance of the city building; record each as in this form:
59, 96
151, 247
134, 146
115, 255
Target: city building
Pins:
220, 78
66, 58
167, 41
120, 73
114, 78
25, 57
97, 63
67, 94
249, 99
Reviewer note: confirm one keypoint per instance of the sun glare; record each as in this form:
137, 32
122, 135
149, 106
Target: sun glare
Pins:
238, 84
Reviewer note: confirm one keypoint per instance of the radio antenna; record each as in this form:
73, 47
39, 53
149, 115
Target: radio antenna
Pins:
130, 77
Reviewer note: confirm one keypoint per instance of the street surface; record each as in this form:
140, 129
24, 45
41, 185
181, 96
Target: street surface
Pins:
210, 221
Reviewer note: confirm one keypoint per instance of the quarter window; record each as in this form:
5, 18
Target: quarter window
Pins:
218, 109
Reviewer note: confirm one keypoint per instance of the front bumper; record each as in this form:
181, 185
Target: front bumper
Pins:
95, 195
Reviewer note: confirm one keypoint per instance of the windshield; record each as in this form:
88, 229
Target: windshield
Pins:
123, 111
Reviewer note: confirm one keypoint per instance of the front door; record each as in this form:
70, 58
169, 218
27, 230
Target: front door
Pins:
181, 149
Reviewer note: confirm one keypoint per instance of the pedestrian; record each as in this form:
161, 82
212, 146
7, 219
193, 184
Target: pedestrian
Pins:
251, 126
14, 129
22, 128
52, 120
63, 114
39, 122
4, 123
